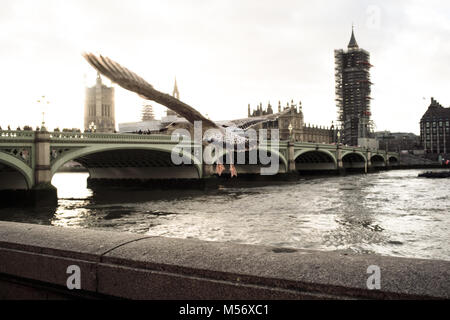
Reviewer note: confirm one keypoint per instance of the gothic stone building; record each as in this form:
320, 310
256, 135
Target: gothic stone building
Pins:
435, 130
291, 116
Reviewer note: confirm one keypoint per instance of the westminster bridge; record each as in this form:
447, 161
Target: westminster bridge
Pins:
29, 159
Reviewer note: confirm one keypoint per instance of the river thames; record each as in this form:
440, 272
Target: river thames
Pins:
391, 213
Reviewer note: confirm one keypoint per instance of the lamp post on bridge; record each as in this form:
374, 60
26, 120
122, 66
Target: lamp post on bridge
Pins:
92, 127
291, 151
43, 102
290, 128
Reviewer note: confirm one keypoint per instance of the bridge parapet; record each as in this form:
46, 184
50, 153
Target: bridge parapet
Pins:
17, 150
108, 137
16, 135
314, 145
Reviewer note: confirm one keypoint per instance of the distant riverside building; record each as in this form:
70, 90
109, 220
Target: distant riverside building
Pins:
435, 130
291, 117
147, 113
353, 88
398, 141
99, 109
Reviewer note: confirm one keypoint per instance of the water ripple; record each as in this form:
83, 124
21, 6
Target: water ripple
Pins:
389, 213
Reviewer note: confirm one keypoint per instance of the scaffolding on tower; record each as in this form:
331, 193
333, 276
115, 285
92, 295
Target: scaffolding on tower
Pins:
147, 112
353, 90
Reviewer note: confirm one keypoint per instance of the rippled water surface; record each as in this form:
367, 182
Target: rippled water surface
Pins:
390, 213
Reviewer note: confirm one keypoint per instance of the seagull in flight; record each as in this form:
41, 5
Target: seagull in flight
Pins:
132, 82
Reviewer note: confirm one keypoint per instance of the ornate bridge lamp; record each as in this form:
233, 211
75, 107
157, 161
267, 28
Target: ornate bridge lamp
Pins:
92, 127
386, 141
290, 132
43, 102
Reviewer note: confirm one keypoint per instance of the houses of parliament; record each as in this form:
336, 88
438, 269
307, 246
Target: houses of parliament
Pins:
290, 122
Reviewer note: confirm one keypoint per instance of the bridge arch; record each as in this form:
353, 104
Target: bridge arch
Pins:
318, 159
98, 149
378, 157
353, 153
378, 160
393, 160
21, 168
354, 160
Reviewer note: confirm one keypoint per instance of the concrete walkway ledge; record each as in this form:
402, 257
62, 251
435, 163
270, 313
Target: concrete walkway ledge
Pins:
34, 260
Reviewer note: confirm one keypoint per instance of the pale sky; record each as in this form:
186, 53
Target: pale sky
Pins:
224, 54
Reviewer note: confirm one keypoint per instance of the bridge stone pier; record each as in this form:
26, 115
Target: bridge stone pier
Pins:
43, 170
29, 160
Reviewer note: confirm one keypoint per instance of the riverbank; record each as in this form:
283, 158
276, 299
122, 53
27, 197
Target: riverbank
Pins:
35, 260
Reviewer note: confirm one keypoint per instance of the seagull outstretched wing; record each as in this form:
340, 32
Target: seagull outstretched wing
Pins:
132, 82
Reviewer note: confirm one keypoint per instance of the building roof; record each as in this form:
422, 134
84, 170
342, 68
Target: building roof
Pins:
249, 122
386, 134
152, 125
436, 111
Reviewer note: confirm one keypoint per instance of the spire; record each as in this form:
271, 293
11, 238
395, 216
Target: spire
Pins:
353, 43
99, 78
176, 93
269, 109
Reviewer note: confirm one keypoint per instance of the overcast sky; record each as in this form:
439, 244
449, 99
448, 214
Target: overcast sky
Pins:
224, 54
